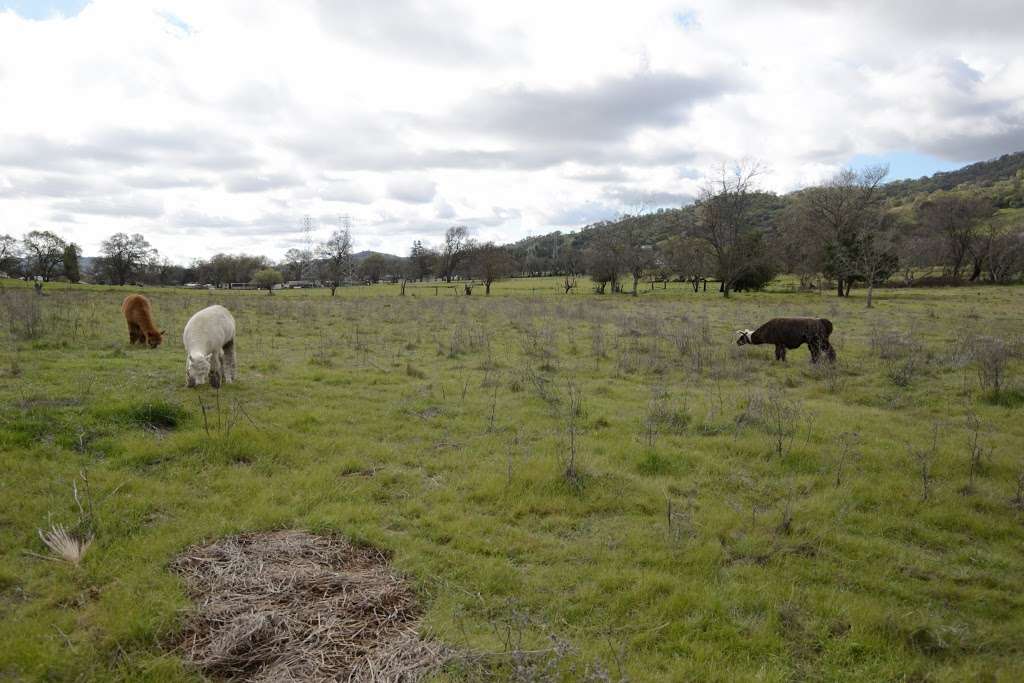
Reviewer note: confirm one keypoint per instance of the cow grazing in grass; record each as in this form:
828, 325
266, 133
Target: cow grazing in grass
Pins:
139, 315
209, 340
791, 333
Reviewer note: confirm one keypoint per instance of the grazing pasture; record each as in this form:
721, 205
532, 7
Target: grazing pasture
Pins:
576, 487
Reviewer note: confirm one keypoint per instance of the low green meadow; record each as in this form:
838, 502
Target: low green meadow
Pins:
580, 487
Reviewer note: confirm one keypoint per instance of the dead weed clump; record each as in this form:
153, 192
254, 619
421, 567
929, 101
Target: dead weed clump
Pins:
288, 606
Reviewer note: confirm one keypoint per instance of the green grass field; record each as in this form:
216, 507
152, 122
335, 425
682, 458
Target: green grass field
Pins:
726, 517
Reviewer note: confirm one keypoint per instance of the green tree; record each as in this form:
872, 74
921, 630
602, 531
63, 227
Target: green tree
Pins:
267, 278
72, 252
373, 267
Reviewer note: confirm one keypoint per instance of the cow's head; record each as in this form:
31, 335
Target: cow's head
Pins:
743, 337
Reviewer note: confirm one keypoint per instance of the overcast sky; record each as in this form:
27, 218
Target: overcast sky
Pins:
216, 126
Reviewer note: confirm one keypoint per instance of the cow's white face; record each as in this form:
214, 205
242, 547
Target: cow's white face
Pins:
197, 369
743, 337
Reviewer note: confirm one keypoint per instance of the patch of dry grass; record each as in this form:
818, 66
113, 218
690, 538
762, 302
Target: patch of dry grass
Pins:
289, 605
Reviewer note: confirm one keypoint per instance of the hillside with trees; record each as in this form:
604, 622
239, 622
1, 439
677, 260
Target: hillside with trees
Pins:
854, 228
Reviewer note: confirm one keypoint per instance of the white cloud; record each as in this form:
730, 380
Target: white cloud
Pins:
412, 189
229, 121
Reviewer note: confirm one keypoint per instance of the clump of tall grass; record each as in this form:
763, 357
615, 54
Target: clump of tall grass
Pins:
64, 545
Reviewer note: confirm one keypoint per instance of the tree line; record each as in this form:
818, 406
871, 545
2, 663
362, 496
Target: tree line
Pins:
847, 231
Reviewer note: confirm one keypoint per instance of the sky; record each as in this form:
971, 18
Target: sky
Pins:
217, 126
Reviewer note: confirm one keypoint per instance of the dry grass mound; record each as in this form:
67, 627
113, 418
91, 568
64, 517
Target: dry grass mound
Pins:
288, 605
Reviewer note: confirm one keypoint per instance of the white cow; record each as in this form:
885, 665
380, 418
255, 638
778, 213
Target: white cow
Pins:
209, 340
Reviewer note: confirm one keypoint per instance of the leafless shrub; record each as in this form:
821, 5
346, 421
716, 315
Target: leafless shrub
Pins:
752, 411
830, 374
1018, 497
662, 416
24, 314
575, 413
691, 339
542, 385
924, 457
680, 516
780, 418
322, 352
1016, 346
847, 453
597, 342
992, 356
494, 408
904, 357
627, 362
882, 338
684, 338
977, 451
470, 338
540, 342
755, 494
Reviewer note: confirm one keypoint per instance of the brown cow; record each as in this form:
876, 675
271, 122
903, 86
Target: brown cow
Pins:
139, 315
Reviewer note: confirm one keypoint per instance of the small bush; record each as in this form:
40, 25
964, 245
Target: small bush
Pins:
992, 356
654, 464
1007, 398
151, 415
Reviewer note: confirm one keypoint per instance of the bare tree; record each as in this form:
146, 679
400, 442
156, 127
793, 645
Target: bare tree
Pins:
838, 209
294, 264
1003, 252
124, 254
797, 246
43, 253
336, 253
919, 251
457, 244
689, 259
637, 257
724, 223
604, 260
957, 219
871, 254
489, 262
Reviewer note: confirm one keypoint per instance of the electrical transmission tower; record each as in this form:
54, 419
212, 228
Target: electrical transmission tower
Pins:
345, 225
